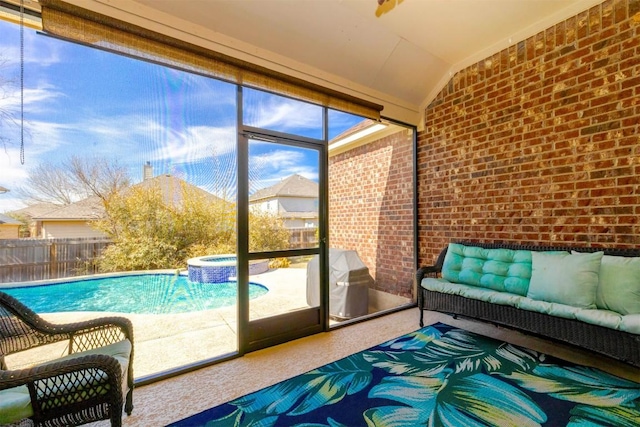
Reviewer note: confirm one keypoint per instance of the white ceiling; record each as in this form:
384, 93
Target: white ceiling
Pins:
399, 54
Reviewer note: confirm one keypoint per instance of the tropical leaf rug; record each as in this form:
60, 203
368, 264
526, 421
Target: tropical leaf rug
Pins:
437, 376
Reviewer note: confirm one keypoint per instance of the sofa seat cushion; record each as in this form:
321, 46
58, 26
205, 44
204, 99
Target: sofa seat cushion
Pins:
15, 403
631, 323
473, 292
605, 318
503, 270
550, 308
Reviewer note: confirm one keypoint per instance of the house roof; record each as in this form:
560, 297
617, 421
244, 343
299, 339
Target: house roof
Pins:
7, 220
173, 189
36, 210
293, 186
93, 207
85, 209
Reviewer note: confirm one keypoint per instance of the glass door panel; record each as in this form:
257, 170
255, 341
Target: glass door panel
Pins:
292, 283
283, 196
371, 216
151, 153
283, 239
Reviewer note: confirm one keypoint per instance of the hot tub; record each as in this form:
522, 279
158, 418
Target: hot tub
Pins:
219, 268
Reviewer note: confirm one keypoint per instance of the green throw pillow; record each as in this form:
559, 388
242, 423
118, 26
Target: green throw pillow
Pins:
565, 278
619, 284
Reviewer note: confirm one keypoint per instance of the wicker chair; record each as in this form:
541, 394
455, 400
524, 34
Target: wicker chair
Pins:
85, 386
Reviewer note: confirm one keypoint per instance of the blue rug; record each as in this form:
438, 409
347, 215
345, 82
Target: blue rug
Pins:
437, 376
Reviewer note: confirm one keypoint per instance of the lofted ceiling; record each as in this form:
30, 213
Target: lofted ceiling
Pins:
398, 54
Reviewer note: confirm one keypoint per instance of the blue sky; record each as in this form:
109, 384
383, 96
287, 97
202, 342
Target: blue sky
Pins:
89, 103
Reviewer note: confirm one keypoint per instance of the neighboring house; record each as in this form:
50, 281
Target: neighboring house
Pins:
9, 227
295, 199
34, 211
75, 219
173, 189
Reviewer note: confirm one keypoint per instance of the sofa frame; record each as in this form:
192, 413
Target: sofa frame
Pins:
620, 345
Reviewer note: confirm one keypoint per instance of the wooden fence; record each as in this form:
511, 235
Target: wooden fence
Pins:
24, 260
40, 259
303, 238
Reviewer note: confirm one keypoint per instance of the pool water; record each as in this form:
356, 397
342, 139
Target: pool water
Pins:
144, 294
220, 259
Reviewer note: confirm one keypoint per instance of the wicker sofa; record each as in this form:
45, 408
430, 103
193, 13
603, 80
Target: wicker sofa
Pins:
88, 384
588, 297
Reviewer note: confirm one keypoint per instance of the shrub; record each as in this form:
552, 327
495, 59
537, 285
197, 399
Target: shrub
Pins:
155, 228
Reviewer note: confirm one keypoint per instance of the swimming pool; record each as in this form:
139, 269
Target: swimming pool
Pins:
143, 293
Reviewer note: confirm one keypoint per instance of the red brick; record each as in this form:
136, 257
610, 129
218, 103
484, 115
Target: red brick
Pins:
371, 205
546, 149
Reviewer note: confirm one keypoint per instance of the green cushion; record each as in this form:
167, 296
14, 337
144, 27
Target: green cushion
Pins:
619, 284
120, 350
631, 323
628, 323
442, 285
550, 308
606, 318
502, 270
505, 298
565, 278
15, 403
467, 291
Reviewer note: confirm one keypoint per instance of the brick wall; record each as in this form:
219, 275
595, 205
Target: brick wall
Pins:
540, 142
371, 209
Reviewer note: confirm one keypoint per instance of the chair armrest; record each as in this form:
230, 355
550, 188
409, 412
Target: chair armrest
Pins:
98, 332
430, 270
68, 386
83, 335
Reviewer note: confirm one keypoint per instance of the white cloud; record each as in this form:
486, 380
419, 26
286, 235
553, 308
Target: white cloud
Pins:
45, 139
283, 114
9, 203
12, 175
277, 159
38, 48
35, 99
270, 168
195, 143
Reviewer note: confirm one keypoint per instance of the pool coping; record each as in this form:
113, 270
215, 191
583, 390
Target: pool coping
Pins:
45, 282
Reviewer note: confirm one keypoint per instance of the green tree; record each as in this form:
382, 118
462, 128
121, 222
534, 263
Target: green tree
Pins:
267, 232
